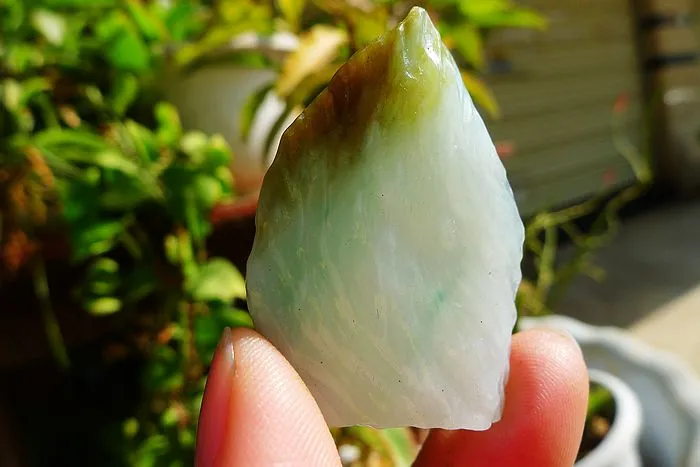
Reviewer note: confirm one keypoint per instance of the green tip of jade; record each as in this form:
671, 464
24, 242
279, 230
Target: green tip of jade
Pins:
388, 243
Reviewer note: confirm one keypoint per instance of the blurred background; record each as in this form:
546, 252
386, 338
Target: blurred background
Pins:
134, 136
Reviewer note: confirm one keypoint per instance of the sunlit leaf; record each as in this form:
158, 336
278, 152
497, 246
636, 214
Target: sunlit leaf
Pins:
481, 94
50, 24
124, 92
217, 156
102, 278
365, 24
317, 48
103, 306
469, 44
169, 127
217, 280
291, 11
148, 23
501, 13
310, 87
234, 318
397, 445
95, 239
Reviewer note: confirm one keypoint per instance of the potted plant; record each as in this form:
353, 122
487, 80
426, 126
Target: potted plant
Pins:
666, 389
613, 424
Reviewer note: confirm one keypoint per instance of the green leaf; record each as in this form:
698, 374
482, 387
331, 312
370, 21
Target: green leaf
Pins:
125, 196
95, 239
394, 444
129, 52
130, 427
468, 43
20, 58
103, 306
148, 23
103, 266
138, 139
183, 20
218, 155
102, 278
51, 25
364, 25
312, 85
194, 144
207, 332
235, 318
163, 372
169, 126
32, 87
520, 18
124, 92
291, 11
250, 109
80, 146
186, 438
125, 48
170, 417
172, 249
481, 94
208, 191
12, 94
501, 14
318, 47
217, 280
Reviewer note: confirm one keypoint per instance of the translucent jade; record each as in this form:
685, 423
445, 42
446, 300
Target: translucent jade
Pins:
388, 244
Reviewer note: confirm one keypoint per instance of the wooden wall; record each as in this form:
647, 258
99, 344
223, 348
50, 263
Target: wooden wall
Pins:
557, 89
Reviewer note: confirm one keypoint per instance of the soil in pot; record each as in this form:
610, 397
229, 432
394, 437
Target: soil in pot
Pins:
599, 419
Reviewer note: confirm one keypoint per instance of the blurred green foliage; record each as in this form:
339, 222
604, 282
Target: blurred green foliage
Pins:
90, 150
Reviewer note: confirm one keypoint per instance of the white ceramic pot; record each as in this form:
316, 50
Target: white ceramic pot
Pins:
212, 97
620, 447
669, 391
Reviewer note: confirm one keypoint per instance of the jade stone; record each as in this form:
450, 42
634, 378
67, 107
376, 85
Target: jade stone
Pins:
388, 244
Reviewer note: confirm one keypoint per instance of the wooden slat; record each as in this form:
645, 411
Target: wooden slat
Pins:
567, 125
570, 187
677, 76
521, 98
557, 89
670, 40
556, 60
548, 164
666, 6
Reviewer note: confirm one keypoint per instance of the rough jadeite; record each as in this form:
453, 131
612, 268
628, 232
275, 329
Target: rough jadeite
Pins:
388, 244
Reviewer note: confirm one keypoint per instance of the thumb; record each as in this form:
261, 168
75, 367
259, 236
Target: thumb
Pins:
543, 417
257, 411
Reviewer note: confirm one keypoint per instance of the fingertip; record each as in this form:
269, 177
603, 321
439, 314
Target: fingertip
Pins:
272, 419
544, 413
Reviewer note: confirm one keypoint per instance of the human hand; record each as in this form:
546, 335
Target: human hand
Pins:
257, 411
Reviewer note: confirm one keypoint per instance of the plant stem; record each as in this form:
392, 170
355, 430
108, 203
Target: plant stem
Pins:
53, 330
